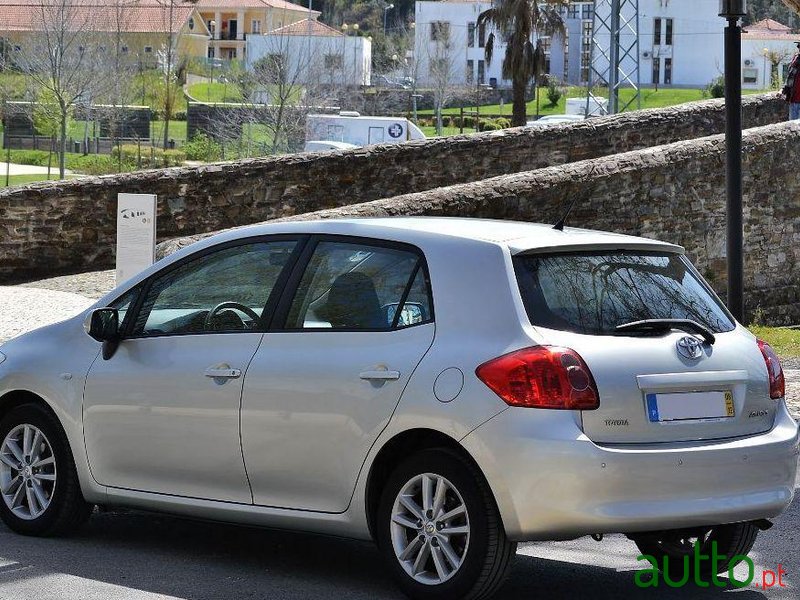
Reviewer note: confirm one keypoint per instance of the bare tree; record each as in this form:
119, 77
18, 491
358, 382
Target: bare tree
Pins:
61, 58
171, 63
443, 69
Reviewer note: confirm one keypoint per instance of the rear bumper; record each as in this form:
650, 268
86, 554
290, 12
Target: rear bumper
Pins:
552, 482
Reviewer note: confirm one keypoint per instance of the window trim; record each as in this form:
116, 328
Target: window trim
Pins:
267, 314
281, 312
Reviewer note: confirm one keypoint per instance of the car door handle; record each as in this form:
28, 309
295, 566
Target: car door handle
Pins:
379, 375
217, 373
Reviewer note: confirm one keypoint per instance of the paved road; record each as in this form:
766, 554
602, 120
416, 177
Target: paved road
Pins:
16, 169
138, 556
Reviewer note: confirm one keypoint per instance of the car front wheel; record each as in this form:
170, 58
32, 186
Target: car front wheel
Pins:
440, 531
38, 482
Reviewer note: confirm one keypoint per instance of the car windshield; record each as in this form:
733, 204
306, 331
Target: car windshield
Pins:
594, 293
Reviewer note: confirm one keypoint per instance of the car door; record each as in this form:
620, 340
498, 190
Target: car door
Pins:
323, 386
162, 414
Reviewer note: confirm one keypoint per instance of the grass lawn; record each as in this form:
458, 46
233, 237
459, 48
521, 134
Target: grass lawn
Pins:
651, 98
215, 92
431, 131
23, 179
786, 342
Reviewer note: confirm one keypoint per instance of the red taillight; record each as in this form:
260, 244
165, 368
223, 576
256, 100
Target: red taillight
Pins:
542, 377
777, 384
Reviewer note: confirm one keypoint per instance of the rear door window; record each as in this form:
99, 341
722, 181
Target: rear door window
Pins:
594, 292
351, 286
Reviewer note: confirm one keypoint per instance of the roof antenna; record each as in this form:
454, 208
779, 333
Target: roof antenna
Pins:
559, 226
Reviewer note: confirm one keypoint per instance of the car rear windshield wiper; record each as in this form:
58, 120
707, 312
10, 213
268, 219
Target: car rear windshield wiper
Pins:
665, 325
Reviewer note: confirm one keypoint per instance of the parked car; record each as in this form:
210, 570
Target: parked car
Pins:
445, 387
382, 81
556, 120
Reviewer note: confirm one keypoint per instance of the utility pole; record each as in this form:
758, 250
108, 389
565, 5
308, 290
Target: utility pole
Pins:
614, 56
733, 11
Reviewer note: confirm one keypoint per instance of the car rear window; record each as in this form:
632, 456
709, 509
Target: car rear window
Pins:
594, 292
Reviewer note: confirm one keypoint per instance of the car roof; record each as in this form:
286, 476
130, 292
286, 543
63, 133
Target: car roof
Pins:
518, 236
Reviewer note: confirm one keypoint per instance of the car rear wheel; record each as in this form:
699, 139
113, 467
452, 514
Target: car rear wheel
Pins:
440, 531
678, 547
38, 482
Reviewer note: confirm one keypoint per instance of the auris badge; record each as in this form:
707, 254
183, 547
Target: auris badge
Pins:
690, 347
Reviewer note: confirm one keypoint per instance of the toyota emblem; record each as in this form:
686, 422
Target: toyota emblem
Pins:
690, 347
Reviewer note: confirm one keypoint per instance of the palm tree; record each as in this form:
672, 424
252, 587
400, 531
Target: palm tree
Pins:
517, 21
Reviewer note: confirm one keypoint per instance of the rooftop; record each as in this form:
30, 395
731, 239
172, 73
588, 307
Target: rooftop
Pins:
307, 27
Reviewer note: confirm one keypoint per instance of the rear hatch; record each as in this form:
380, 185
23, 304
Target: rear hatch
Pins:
657, 382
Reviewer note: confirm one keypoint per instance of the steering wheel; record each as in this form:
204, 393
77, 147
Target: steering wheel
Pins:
225, 305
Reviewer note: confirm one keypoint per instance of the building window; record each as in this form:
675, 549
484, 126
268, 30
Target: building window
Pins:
587, 11
482, 36
586, 50
333, 61
657, 32
656, 70
191, 23
124, 49
750, 76
572, 11
481, 72
210, 24
470, 71
471, 35
148, 49
440, 31
546, 49
668, 71
668, 32
256, 26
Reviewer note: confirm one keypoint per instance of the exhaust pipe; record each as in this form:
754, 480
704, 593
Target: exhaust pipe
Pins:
763, 524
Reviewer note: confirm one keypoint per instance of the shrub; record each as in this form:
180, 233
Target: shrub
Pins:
179, 116
469, 122
716, 89
503, 123
202, 147
151, 157
455, 122
31, 157
97, 164
554, 91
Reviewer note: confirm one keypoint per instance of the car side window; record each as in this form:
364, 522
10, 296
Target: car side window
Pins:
352, 286
123, 305
224, 291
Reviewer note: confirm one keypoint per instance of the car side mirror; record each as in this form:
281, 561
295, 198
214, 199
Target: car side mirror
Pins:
102, 324
411, 314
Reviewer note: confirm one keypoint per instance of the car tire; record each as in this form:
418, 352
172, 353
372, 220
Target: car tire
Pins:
471, 562
735, 539
45, 479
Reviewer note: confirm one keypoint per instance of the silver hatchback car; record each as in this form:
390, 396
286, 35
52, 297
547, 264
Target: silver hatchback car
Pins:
445, 387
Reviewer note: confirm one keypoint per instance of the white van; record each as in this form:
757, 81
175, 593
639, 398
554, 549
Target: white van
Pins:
351, 128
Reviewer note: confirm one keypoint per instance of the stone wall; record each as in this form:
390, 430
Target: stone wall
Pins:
674, 193
51, 228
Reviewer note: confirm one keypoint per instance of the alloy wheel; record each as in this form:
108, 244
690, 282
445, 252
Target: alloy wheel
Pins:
430, 529
27, 472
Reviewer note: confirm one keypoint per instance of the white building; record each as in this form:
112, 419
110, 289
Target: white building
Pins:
767, 45
679, 46
310, 52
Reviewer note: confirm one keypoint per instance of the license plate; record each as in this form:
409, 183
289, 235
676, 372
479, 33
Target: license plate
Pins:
688, 406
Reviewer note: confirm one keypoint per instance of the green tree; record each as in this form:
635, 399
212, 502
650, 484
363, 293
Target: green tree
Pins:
518, 22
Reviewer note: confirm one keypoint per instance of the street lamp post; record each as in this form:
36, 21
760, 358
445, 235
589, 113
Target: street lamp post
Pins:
733, 11
386, 10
